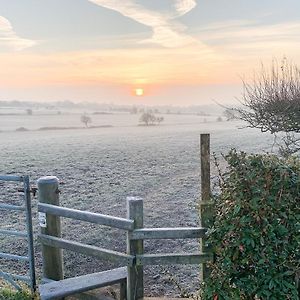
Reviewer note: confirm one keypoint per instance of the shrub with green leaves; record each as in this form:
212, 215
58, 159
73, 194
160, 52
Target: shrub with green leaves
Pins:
255, 233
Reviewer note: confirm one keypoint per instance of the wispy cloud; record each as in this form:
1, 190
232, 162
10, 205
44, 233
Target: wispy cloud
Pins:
166, 32
243, 34
10, 39
247, 42
184, 6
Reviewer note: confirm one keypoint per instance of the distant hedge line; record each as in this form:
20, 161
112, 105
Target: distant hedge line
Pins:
256, 231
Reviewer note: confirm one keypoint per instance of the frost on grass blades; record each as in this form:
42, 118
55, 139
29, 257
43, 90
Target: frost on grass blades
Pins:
100, 167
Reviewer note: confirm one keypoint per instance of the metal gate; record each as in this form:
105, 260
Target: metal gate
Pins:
27, 234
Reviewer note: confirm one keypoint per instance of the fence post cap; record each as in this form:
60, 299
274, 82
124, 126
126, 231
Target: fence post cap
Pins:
48, 180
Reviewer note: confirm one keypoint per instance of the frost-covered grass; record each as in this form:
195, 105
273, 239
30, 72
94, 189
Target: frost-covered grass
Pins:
100, 167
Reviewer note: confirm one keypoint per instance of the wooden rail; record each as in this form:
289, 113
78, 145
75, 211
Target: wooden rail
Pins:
86, 216
87, 249
168, 233
135, 258
173, 259
79, 284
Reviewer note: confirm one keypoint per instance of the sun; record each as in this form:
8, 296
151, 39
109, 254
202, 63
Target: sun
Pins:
139, 92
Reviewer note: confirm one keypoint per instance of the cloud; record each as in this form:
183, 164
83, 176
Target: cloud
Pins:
246, 43
184, 6
166, 32
245, 33
9, 38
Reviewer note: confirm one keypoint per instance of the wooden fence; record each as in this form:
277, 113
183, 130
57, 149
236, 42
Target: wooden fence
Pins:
134, 259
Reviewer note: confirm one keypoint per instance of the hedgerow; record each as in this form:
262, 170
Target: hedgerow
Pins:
255, 234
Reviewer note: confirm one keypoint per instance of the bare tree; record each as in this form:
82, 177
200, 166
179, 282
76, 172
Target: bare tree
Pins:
159, 120
148, 118
271, 102
29, 111
229, 114
85, 119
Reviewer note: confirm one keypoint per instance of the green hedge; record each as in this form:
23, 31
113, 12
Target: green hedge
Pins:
255, 235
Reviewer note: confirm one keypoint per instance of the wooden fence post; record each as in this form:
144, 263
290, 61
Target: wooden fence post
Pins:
135, 280
206, 207
50, 225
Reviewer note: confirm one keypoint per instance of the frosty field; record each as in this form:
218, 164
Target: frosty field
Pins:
99, 167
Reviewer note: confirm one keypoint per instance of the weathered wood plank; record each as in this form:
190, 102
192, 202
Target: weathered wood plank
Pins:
100, 219
173, 259
206, 205
87, 249
168, 233
71, 286
135, 281
205, 166
53, 266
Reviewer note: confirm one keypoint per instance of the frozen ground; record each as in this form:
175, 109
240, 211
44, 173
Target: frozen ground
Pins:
100, 167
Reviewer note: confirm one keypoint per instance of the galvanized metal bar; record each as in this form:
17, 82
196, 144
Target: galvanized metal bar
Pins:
29, 229
13, 256
101, 219
8, 277
167, 233
86, 249
11, 178
18, 277
13, 233
173, 259
12, 207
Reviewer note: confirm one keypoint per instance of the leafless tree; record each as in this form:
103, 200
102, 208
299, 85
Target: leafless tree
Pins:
85, 119
159, 120
148, 118
229, 114
29, 111
271, 102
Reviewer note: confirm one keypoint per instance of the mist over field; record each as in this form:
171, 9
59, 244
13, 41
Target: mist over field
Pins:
99, 167
111, 98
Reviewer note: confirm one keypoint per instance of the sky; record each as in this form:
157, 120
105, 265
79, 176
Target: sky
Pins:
179, 52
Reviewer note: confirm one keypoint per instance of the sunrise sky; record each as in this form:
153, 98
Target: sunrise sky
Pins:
179, 52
